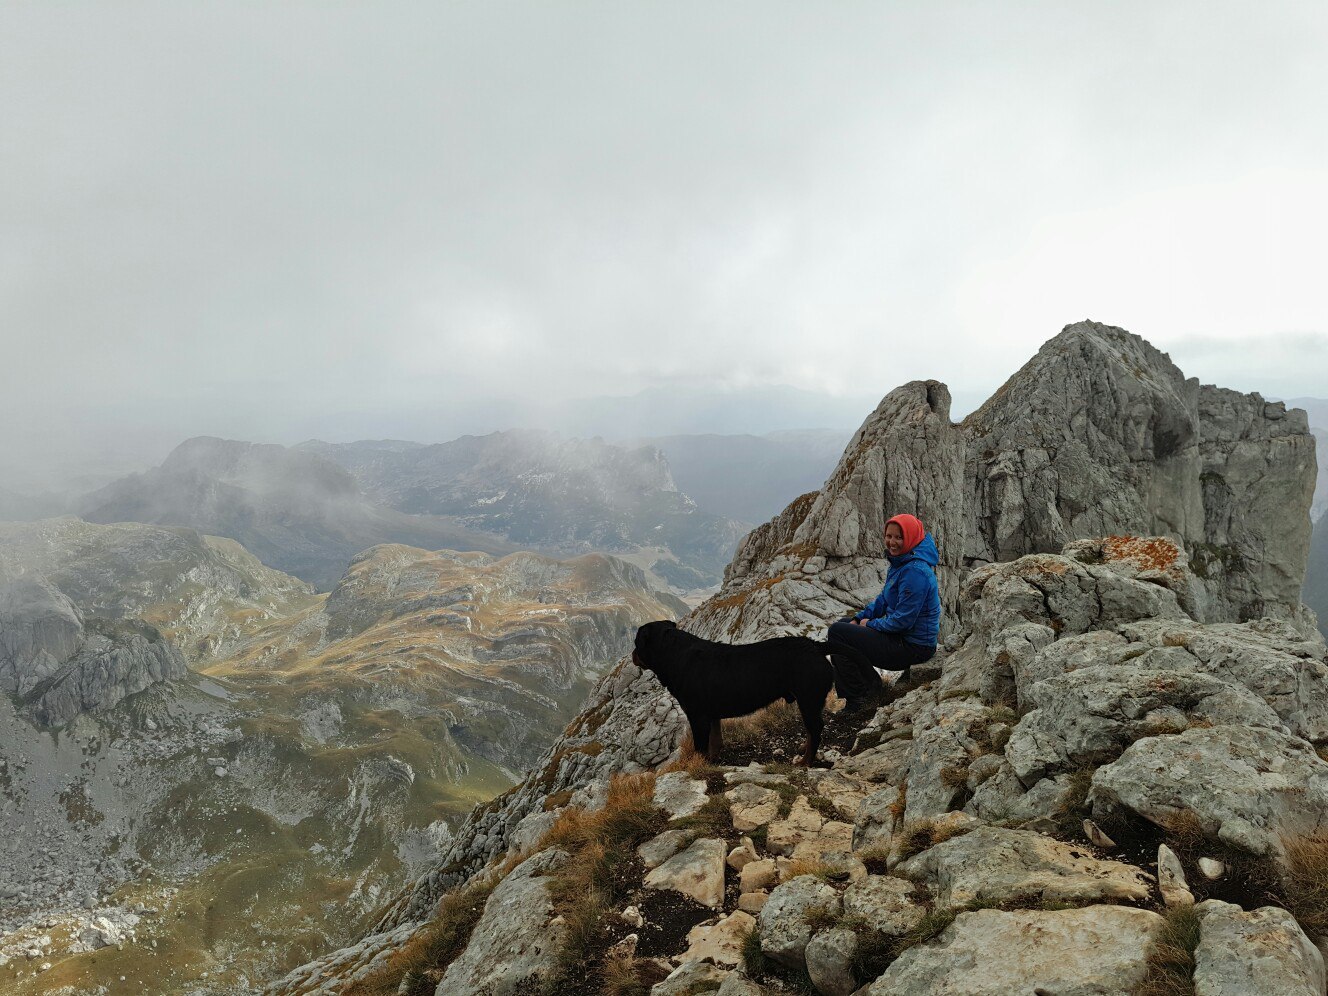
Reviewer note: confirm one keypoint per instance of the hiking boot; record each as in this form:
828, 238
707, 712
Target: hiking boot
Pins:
856, 707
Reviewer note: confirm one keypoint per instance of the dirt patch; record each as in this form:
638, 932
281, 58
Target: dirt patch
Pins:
669, 917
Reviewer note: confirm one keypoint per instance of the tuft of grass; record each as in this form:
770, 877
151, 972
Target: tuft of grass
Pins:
421, 961
900, 804
1073, 808
822, 917
825, 807
623, 977
875, 857
754, 960
1171, 956
713, 819
921, 834
602, 862
954, 776
1305, 882
696, 764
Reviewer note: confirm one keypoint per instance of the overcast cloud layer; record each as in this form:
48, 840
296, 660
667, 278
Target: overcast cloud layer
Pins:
278, 221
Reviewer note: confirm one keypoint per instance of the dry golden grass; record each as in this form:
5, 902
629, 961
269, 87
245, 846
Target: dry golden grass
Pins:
623, 977
1305, 882
602, 852
433, 947
1171, 956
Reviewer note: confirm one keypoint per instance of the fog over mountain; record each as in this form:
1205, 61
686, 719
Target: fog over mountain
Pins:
349, 222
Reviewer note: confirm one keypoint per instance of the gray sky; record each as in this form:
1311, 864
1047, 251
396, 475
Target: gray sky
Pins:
284, 220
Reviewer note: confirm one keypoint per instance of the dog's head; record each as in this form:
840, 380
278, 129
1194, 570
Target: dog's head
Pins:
645, 654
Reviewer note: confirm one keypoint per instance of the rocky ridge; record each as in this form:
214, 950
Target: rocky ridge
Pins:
1118, 710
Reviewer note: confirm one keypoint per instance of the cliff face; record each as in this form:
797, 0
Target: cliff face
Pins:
1101, 433
1098, 671
58, 667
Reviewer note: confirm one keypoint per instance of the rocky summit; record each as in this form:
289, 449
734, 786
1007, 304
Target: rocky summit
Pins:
1111, 781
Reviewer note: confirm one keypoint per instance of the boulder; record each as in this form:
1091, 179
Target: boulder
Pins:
1171, 879
517, 938
1248, 787
885, 902
691, 978
659, 849
720, 941
802, 823
1097, 950
783, 920
1089, 716
752, 806
996, 864
697, 872
829, 957
679, 794
1262, 952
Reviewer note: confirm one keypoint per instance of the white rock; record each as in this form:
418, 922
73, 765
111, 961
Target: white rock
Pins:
1262, 952
1098, 950
697, 872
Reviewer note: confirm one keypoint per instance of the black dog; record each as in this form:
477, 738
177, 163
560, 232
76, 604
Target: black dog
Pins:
714, 681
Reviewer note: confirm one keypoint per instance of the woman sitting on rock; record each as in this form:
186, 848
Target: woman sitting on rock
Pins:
899, 628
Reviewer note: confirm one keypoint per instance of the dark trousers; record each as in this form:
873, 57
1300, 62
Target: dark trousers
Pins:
857, 651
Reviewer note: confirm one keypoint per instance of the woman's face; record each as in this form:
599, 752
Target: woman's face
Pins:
894, 539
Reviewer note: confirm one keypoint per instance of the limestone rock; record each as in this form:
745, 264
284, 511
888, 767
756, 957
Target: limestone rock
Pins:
1100, 434
1276, 660
721, 941
691, 978
753, 902
1262, 952
1248, 787
679, 794
784, 928
697, 872
1171, 878
752, 806
517, 937
737, 984
829, 958
63, 665
803, 822
885, 902
1099, 950
996, 864
757, 875
659, 849
1088, 717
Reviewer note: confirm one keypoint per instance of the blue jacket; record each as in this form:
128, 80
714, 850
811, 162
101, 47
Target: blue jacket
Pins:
910, 602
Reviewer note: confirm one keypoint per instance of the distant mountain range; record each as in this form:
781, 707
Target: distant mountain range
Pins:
308, 509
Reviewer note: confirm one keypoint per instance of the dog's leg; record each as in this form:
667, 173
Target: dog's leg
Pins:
716, 740
700, 734
811, 718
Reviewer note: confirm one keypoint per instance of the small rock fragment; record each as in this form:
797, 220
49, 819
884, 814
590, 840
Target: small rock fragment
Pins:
1094, 833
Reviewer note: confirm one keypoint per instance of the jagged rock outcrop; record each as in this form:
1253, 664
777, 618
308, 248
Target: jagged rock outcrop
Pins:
58, 666
1105, 528
1099, 434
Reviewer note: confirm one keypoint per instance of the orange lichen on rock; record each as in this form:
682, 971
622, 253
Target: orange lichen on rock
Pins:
1146, 553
